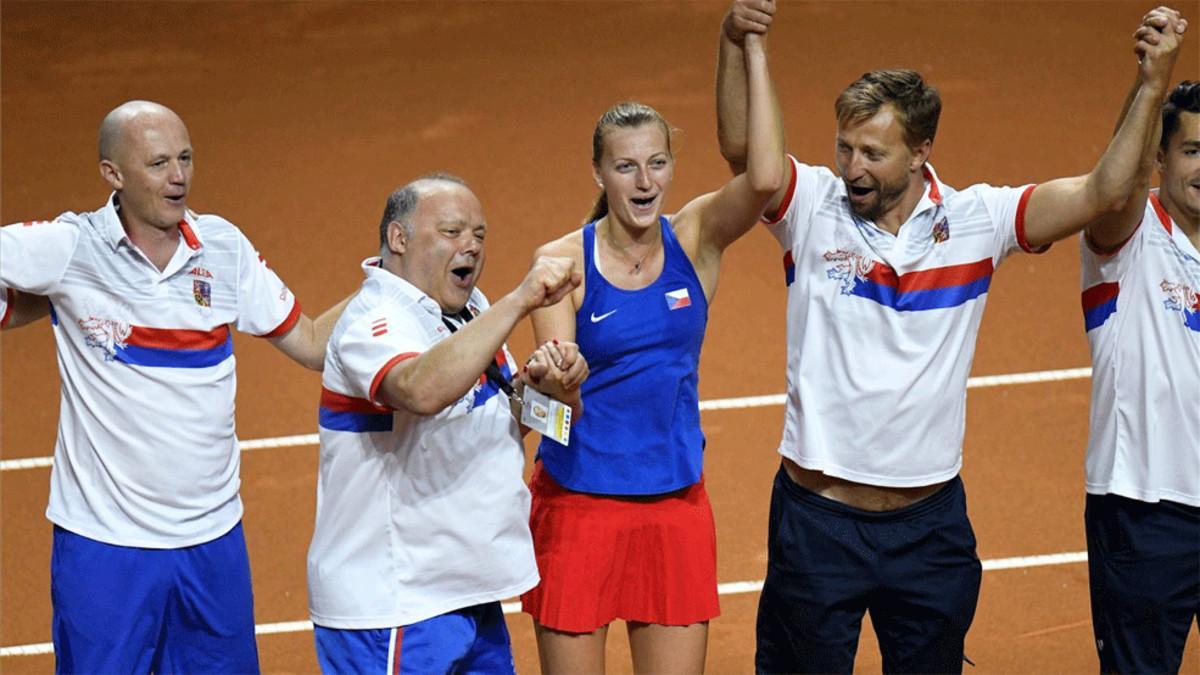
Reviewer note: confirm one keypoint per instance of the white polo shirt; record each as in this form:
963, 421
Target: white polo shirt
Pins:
881, 328
416, 515
146, 453
1141, 309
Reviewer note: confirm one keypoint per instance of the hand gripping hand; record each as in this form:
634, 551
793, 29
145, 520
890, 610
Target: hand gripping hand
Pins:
748, 17
1157, 43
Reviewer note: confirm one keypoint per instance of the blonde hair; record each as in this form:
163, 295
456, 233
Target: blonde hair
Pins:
625, 115
918, 105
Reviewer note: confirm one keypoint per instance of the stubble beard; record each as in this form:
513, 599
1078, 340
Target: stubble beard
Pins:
886, 198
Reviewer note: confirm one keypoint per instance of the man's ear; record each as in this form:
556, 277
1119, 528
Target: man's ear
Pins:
111, 174
397, 240
1160, 158
920, 155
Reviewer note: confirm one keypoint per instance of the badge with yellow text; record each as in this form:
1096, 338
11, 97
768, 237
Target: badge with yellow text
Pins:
547, 416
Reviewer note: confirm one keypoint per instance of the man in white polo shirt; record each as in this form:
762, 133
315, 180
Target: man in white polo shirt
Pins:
422, 514
887, 271
1141, 305
149, 570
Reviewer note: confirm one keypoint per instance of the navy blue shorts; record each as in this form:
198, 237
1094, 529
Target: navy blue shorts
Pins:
914, 569
1144, 574
470, 640
121, 609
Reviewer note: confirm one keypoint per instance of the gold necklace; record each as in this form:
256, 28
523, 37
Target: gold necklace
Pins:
637, 263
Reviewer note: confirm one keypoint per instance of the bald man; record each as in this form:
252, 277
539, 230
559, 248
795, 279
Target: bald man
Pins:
422, 517
149, 570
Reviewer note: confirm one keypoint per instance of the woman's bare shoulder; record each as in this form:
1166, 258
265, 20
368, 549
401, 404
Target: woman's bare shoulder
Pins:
569, 245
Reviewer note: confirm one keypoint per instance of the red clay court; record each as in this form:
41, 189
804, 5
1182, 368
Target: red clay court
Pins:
304, 115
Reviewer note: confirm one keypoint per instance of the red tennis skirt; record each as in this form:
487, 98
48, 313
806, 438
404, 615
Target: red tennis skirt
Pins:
643, 559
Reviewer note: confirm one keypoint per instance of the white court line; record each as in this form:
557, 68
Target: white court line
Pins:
712, 404
731, 588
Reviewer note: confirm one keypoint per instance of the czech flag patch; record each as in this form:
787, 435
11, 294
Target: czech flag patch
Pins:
678, 299
202, 293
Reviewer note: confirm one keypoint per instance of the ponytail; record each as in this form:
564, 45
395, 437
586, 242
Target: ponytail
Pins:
599, 209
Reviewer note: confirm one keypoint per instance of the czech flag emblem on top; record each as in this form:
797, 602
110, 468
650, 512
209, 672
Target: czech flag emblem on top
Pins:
678, 299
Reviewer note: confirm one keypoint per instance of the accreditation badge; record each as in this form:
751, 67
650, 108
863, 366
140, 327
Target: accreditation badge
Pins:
547, 416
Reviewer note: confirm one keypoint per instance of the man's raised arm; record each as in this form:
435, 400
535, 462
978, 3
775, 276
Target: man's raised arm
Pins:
1109, 200
744, 17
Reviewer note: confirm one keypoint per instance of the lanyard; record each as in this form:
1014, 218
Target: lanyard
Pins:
493, 370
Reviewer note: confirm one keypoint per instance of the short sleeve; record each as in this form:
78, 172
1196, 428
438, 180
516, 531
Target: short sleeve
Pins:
802, 196
266, 307
1006, 210
34, 256
373, 344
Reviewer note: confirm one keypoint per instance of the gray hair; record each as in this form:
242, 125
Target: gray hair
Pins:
403, 201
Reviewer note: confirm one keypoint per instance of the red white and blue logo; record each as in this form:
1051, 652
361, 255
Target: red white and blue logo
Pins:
1185, 300
202, 292
935, 288
104, 334
941, 231
678, 299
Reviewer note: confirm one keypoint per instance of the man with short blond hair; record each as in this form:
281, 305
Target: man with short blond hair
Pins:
887, 271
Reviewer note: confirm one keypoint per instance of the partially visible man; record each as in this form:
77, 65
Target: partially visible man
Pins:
149, 570
422, 514
888, 271
1141, 305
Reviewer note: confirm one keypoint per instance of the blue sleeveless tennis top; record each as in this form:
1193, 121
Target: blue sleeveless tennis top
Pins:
640, 429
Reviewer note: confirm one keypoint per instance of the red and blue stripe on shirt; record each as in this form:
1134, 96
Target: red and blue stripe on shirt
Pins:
1099, 303
175, 348
339, 412
937, 288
